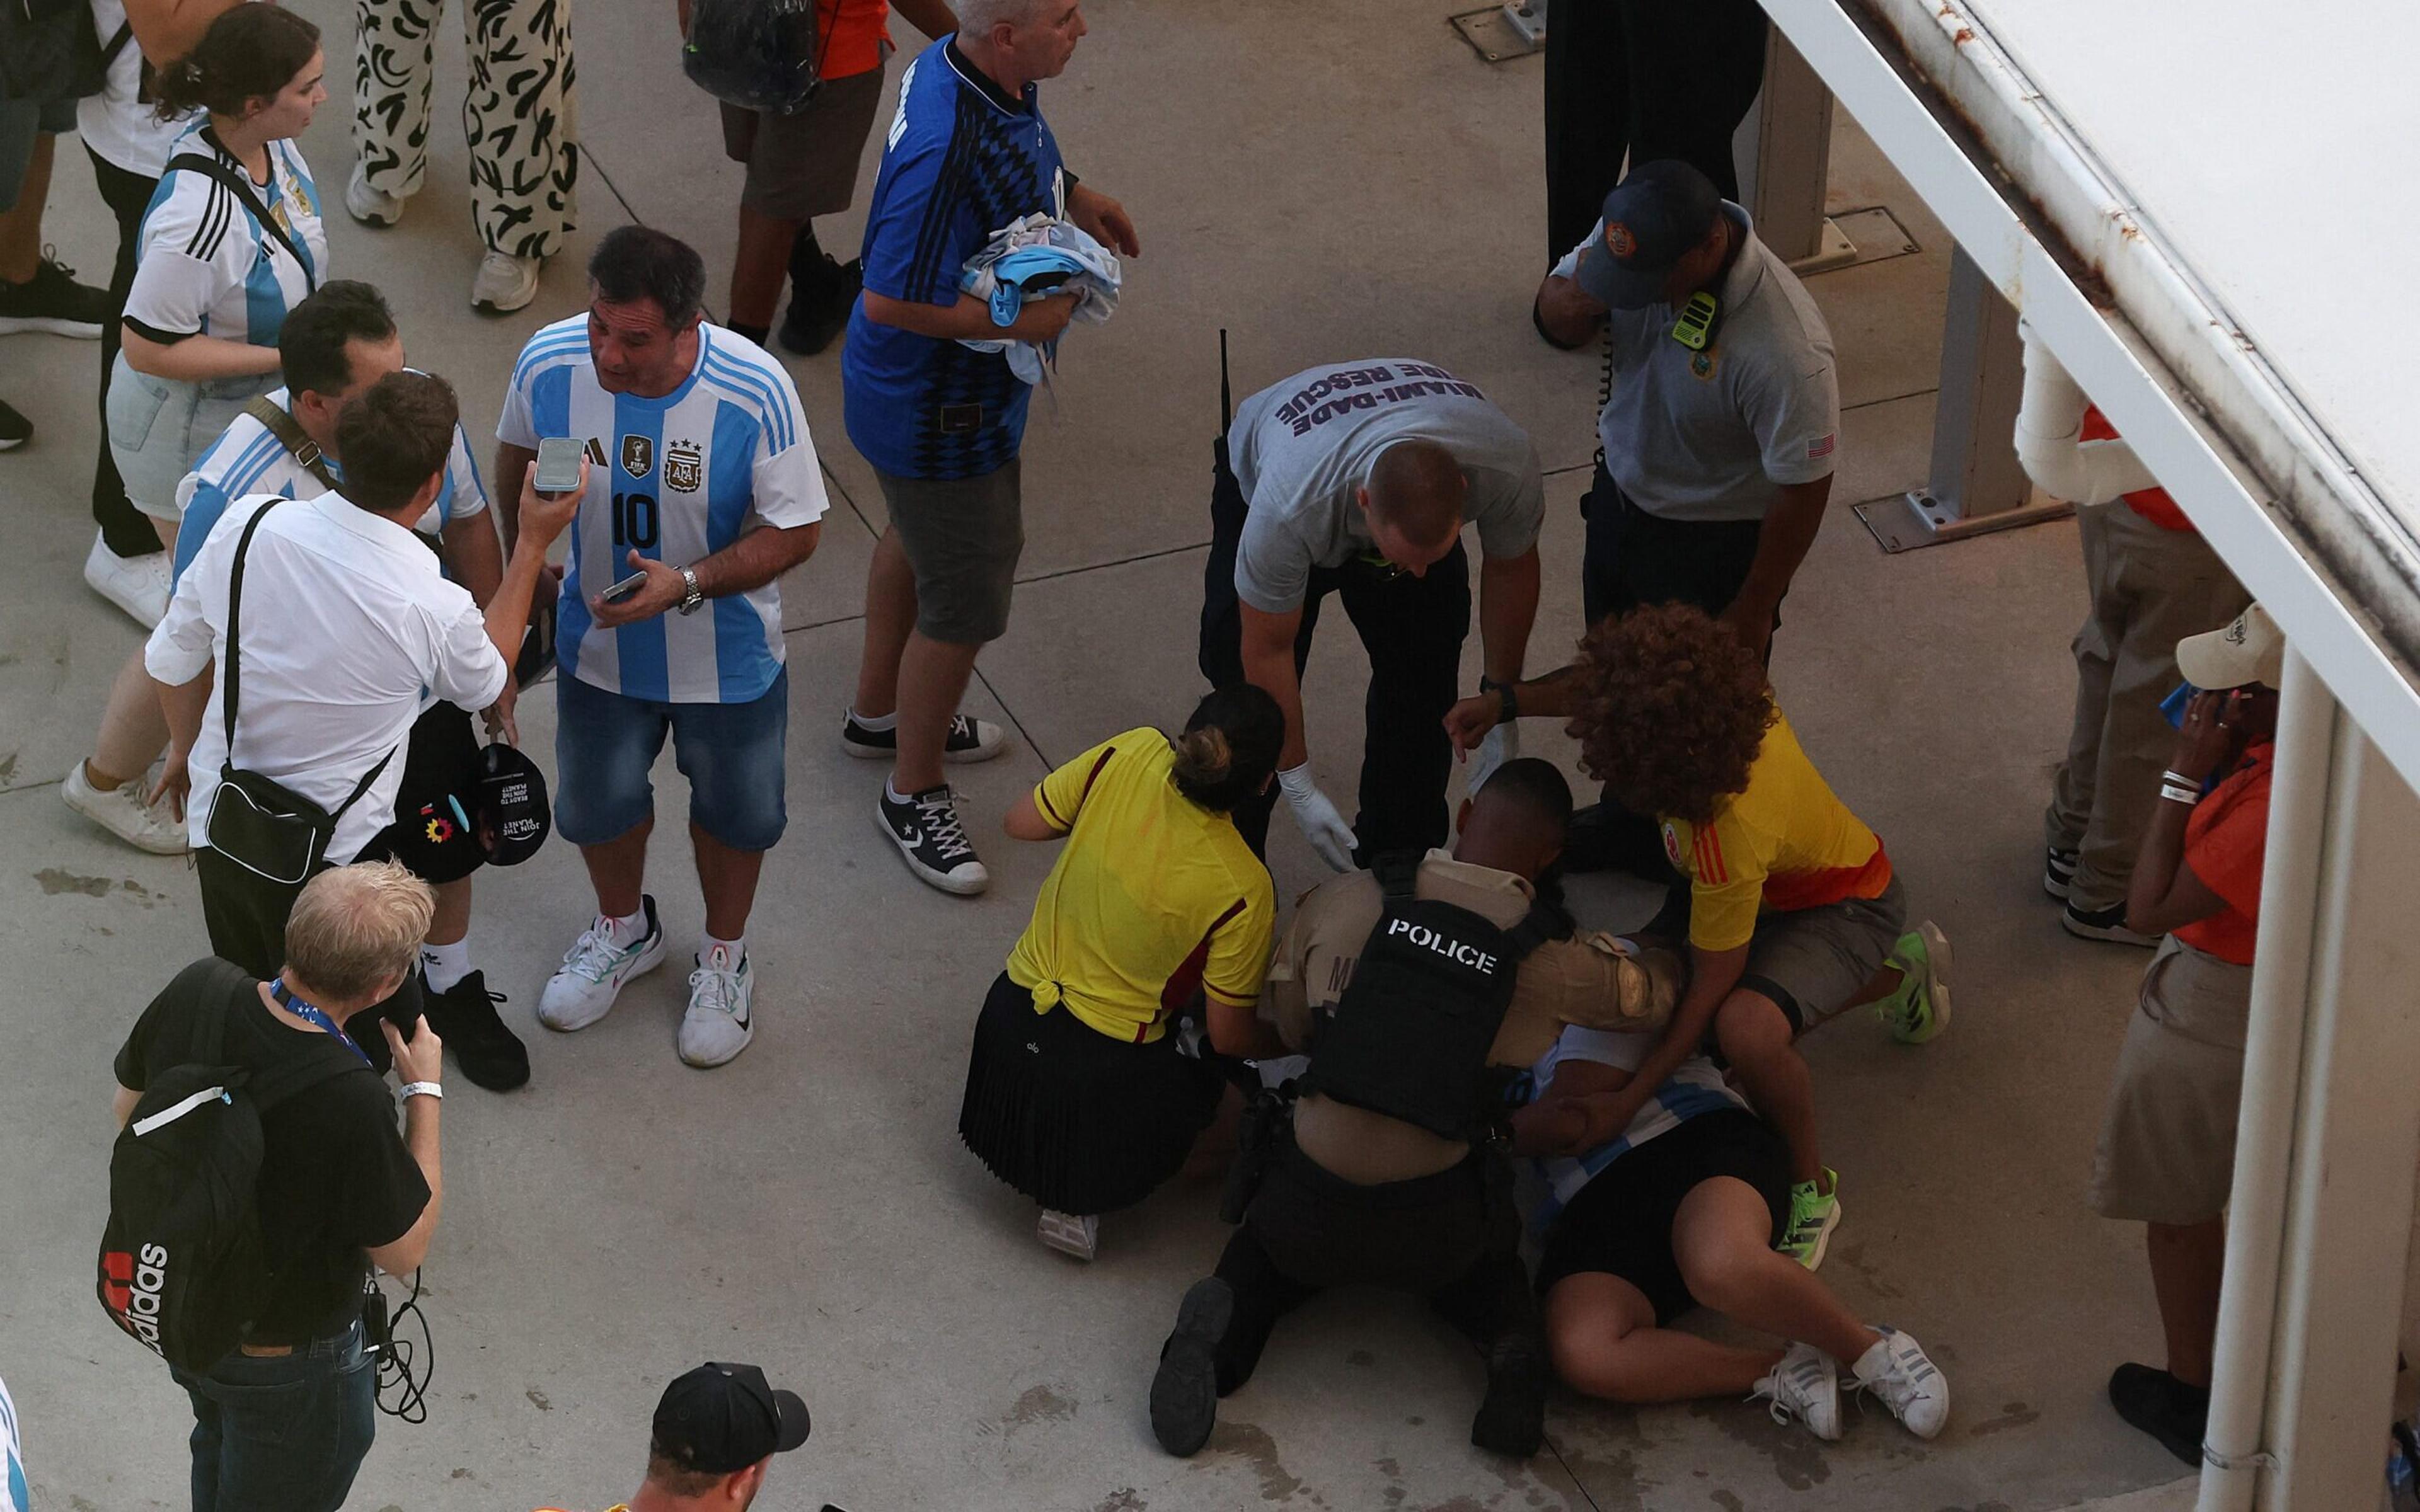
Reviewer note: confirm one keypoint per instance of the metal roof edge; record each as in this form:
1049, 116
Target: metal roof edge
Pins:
2226, 437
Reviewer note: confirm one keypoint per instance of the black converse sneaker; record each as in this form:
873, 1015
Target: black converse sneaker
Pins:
970, 740
931, 840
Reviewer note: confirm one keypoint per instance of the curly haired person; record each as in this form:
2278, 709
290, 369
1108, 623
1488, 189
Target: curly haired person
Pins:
1796, 913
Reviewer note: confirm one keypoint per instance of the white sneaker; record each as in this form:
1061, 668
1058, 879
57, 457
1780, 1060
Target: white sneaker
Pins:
127, 813
504, 283
1068, 1234
593, 971
369, 205
717, 1026
1898, 1371
1804, 1385
138, 585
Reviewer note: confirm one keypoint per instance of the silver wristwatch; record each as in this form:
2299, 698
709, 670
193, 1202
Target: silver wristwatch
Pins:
691, 600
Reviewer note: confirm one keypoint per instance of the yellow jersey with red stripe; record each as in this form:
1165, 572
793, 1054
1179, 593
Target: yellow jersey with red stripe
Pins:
1784, 843
1154, 896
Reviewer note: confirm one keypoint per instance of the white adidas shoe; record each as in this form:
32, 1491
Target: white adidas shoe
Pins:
594, 971
1804, 1385
127, 813
138, 585
717, 1023
1898, 1370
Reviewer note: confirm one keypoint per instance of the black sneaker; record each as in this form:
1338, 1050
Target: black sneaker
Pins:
970, 740
2163, 1407
1185, 1390
931, 840
820, 312
2058, 873
464, 1016
1513, 1417
15, 429
53, 302
2102, 924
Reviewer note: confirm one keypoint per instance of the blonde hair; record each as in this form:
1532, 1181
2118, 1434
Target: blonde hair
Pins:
357, 927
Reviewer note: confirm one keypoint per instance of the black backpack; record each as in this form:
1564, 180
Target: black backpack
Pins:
49, 49
181, 1267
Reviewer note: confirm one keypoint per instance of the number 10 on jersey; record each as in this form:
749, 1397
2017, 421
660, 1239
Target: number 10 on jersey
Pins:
634, 520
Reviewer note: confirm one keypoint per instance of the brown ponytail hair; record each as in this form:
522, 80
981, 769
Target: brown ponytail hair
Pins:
1230, 746
249, 53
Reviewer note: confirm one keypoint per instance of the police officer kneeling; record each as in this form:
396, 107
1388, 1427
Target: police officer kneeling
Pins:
1390, 1171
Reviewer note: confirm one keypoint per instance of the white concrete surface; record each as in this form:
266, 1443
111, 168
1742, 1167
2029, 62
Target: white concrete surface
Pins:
1325, 182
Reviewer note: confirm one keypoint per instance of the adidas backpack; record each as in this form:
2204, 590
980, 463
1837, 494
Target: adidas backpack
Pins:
181, 1266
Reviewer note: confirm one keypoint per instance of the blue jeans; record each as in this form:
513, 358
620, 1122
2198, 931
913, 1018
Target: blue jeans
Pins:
606, 743
282, 1433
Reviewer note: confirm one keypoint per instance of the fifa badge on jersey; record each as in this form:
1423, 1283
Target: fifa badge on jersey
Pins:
684, 466
637, 455
1673, 846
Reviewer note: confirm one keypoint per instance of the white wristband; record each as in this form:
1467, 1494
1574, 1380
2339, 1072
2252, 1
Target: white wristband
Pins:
412, 1089
2187, 796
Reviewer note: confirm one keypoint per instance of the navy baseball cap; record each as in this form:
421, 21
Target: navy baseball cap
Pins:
719, 1419
1651, 220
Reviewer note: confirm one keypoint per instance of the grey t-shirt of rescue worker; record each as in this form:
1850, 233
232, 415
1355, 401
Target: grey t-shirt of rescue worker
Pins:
1717, 435
1302, 448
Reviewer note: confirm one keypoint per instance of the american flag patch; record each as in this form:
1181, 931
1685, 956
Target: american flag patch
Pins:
1821, 447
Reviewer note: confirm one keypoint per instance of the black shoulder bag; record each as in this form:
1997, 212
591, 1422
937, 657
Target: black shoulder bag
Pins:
257, 822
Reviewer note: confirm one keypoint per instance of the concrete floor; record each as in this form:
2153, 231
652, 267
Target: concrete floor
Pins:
1327, 181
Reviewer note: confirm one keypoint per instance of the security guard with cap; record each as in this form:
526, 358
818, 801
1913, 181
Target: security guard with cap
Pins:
1417, 989
1717, 439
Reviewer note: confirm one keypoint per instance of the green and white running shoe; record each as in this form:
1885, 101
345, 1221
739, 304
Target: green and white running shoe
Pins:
1813, 1215
1919, 1010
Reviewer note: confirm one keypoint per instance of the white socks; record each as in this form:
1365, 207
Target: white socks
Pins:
445, 965
734, 952
878, 724
627, 932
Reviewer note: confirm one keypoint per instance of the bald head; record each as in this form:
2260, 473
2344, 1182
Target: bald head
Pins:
1415, 491
1516, 822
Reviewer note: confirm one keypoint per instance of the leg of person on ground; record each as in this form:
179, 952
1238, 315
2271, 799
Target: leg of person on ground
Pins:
1491, 1305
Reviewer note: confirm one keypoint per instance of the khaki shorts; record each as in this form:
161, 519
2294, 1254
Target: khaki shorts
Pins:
962, 536
2167, 1145
804, 165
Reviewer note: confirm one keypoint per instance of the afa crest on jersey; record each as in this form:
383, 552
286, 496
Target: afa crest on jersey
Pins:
684, 466
637, 455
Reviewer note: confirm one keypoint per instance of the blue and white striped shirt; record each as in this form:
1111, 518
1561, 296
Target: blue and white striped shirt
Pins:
675, 479
1697, 1087
205, 267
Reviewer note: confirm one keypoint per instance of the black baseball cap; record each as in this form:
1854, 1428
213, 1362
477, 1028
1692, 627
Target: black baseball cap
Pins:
514, 817
723, 1418
1651, 220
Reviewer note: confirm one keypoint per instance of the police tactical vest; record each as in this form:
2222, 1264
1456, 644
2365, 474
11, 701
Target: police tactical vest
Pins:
1411, 1036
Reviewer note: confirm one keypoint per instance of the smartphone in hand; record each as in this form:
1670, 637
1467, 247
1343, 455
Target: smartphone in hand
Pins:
626, 588
558, 464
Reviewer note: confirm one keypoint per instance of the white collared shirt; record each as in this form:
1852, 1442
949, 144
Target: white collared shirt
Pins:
348, 629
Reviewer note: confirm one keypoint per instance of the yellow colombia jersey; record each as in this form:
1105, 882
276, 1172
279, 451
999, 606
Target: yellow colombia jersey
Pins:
1154, 896
1784, 843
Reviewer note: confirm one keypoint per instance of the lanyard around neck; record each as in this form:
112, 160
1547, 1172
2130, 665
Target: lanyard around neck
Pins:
317, 1017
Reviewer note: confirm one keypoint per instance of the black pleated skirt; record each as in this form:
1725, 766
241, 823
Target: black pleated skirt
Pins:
1078, 1122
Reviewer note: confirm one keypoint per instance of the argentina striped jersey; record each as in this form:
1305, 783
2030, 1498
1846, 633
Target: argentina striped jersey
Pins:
205, 267
1697, 1087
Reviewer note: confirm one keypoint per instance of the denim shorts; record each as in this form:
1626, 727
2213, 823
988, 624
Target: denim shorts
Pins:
606, 743
159, 427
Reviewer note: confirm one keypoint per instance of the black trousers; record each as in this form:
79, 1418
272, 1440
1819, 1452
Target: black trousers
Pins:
1647, 79
1413, 629
1454, 1238
1635, 557
124, 529
246, 913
